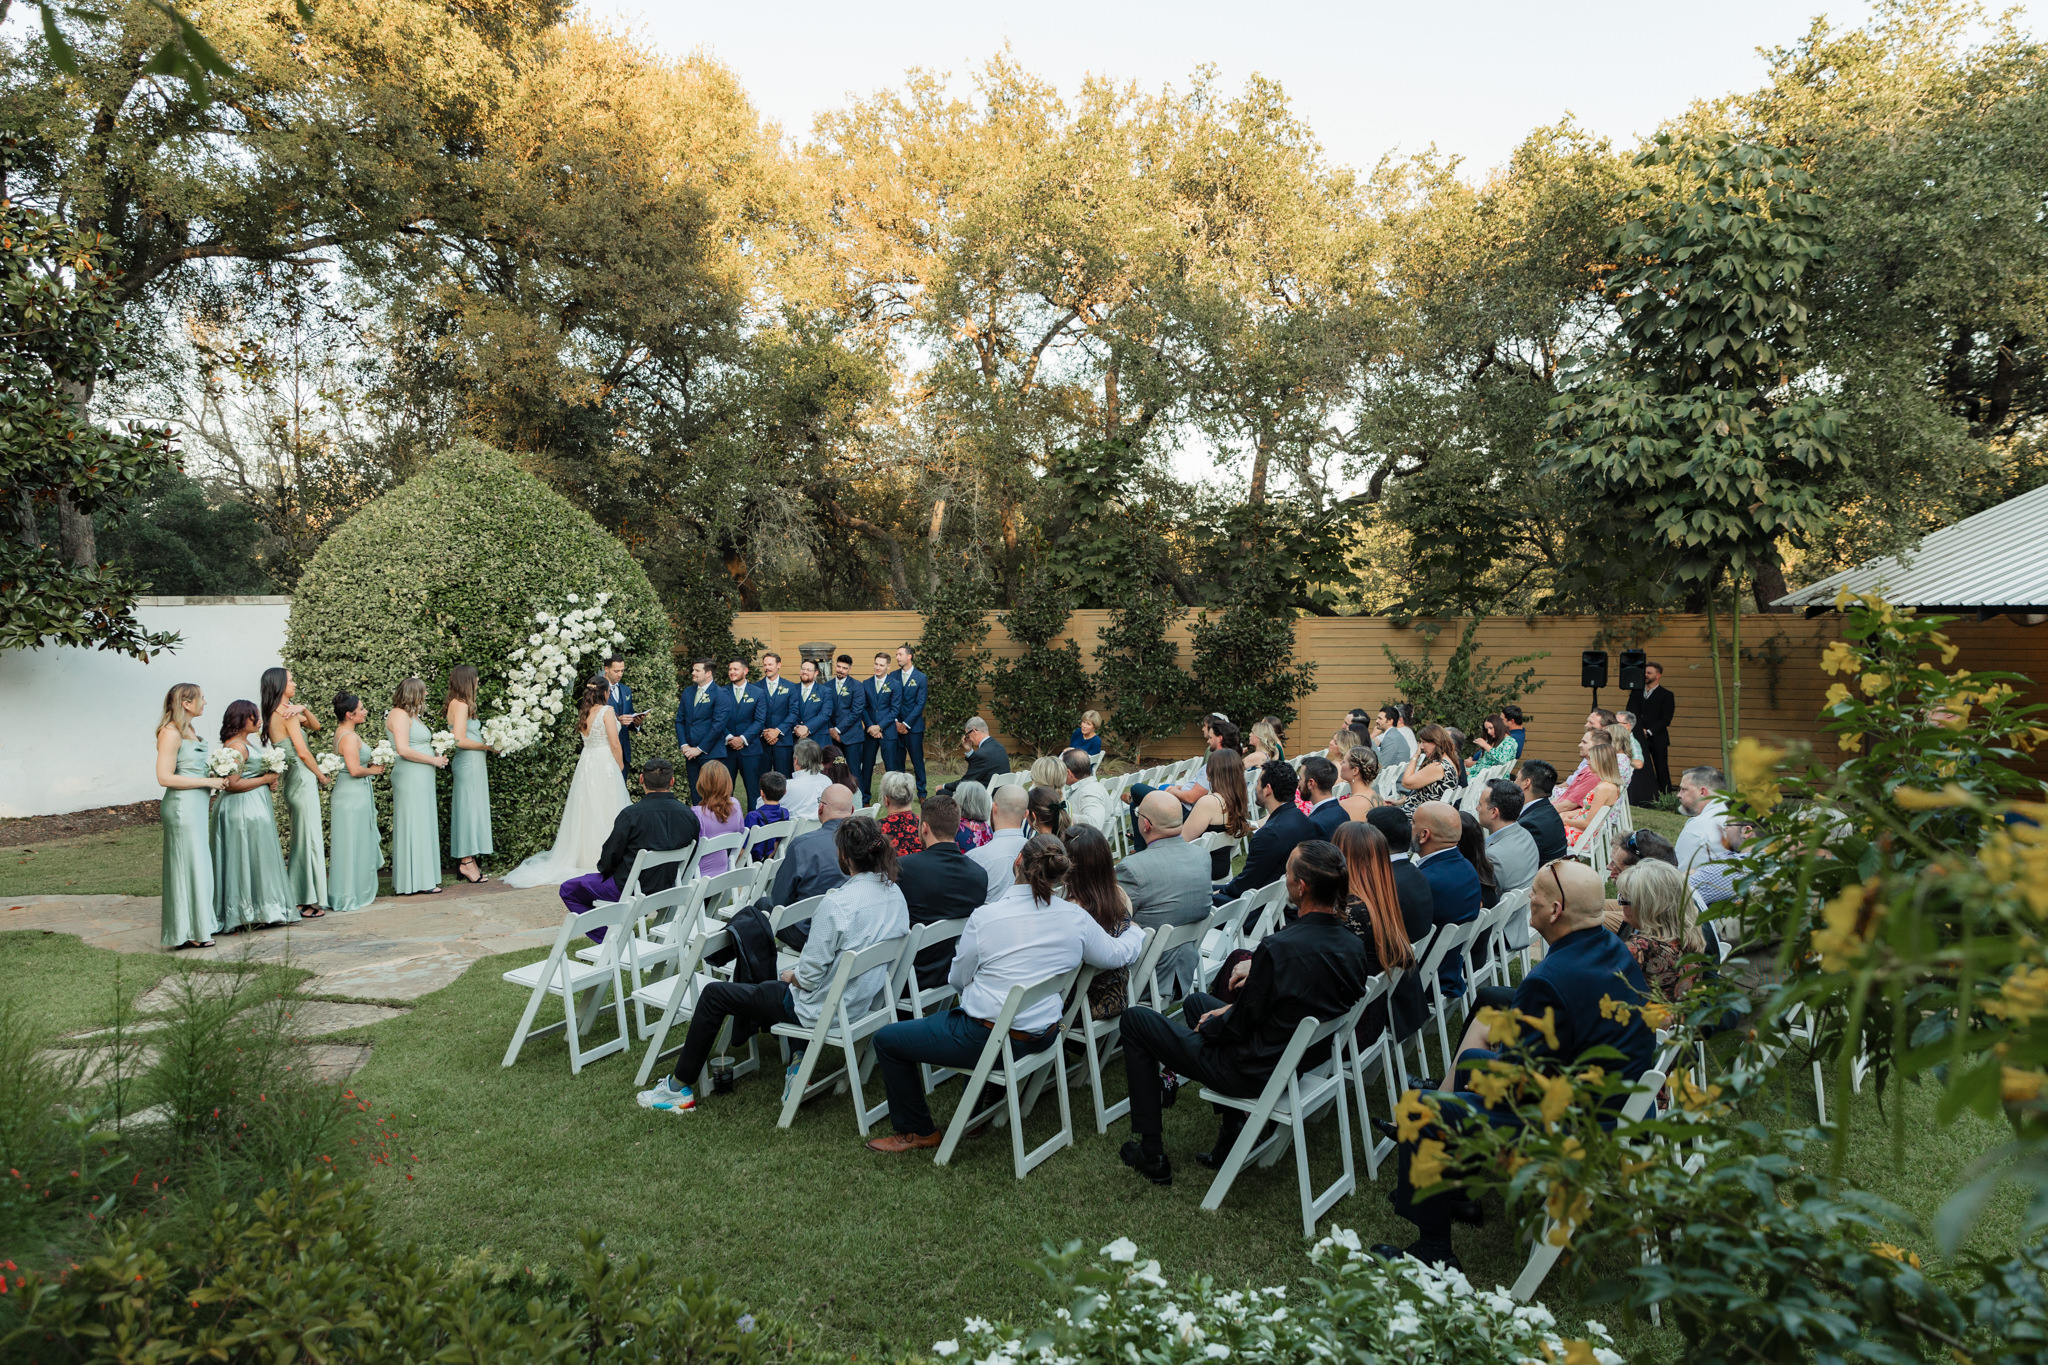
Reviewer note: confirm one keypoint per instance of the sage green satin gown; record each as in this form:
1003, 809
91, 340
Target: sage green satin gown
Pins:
469, 809
415, 819
250, 884
188, 859
354, 849
308, 863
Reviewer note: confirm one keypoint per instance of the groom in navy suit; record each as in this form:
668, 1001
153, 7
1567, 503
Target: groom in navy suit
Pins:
911, 685
620, 699
746, 714
848, 727
878, 701
701, 718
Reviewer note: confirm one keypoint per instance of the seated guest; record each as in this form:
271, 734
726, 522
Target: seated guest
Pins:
1583, 779
717, 813
1047, 771
1044, 812
837, 771
1432, 771
899, 821
1453, 883
1087, 798
1167, 882
1224, 808
808, 782
1618, 736
974, 813
1472, 843
1660, 925
1088, 738
1539, 816
939, 883
1314, 966
1092, 884
1508, 842
1265, 862
986, 759
1713, 879
1265, 746
1517, 726
1418, 904
1585, 966
1005, 841
811, 866
1497, 745
1374, 912
656, 823
1359, 770
1022, 938
1606, 790
1701, 801
1319, 777
1276, 733
1217, 733
866, 910
1390, 740
1637, 846
770, 811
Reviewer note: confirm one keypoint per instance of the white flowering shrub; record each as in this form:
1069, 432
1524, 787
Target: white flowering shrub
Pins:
1116, 1309
540, 675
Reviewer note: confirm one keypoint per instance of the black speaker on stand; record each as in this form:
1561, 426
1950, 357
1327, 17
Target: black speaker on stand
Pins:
1593, 672
1633, 662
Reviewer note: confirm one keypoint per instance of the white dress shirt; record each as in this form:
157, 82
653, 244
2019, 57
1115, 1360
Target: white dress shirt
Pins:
1699, 842
1017, 941
859, 913
997, 857
804, 790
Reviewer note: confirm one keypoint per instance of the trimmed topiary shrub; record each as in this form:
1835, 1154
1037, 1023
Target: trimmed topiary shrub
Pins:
449, 568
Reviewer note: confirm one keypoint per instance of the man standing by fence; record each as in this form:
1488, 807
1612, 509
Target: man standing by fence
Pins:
1654, 705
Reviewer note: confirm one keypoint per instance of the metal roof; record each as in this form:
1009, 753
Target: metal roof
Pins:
1992, 563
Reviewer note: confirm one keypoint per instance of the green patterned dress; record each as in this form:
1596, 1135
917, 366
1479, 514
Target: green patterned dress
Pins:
469, 809
188, 861
415, 820
354, 849
250, 884
308, 866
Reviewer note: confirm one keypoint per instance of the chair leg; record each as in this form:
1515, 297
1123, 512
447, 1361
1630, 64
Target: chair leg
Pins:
795, 1097
540, 990
969, 1096
1240, 1152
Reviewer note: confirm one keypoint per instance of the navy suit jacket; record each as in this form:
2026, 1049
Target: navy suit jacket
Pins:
910, 697
703, 726
1265, 862
778, 709
1541, 819
621, 701
1454, 899
1327, 817
849, 711
743, 718
878, 706
815, 714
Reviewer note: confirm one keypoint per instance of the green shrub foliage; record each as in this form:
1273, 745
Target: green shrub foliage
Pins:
1469, 689
1039, 697
951, 649
449, 568
1139, 676
1243, 660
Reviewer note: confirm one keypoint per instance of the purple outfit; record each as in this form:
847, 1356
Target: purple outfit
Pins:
711, 864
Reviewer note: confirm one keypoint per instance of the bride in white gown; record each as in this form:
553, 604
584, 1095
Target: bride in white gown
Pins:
596, 796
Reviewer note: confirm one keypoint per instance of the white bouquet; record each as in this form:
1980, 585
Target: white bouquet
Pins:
444, 742
332, 764
382, 755
274, 759
509, 734
226, 761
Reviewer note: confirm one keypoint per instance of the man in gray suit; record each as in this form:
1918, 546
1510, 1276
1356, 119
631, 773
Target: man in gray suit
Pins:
1390, 744
1510, 848
1168, 883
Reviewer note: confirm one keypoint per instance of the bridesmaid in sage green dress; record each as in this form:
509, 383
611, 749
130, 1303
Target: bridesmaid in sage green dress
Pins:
354, 850
469, 810
415, 818
284, 725
188, 788
249, 881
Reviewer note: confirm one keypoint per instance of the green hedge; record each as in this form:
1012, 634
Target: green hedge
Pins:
449, 568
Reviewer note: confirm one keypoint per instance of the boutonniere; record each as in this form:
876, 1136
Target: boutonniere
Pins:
881, 686
703, 700
912, 683
743, 696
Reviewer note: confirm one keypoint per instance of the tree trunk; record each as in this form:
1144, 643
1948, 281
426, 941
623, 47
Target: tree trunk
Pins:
1770, 585
1735, 664
1261, 456
74, 527
25, 520
1112, 408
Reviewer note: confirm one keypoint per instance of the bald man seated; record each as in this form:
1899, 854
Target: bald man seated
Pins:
1453, 881
1584, 965
810, 865
1168, 882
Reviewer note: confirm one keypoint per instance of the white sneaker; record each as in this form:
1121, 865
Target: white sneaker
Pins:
668, 1097
789, 1080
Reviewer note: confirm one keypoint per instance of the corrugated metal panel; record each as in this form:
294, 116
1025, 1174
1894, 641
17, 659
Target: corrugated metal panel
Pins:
1998, 558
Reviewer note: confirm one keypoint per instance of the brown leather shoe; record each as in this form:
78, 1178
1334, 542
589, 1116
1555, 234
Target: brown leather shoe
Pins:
898, 1143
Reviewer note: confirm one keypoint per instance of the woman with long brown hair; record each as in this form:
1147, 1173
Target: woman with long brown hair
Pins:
1433, 771
1091, 884
250, 886
1374, 911
188, 895
415, 811
1225, 806
283, 727
717, 813
469, 808
597, 793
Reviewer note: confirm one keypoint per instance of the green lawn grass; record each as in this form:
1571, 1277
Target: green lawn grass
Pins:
121, 862
58, 984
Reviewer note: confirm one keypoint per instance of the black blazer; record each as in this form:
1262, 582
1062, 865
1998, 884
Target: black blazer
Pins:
940, 883
1418, 917
1546, 826
1265, 862
1313, 966
989, 761
658, 823
1653, 716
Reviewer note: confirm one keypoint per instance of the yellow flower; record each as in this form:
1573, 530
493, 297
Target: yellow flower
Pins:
1913, 798
1852, 744
2022, 997
1547, 1025
1843, 924
1896, 1253
1426, 1168
1567, 1208
1411, 1116
2020, 1087
1656, 1014
1948, 651
1756, 767
1837, 694
1501, 1028
1840, 657
1557, 1096
1494, 1083
1574, 1150
1617, 1010
1873, 683
1690, 1097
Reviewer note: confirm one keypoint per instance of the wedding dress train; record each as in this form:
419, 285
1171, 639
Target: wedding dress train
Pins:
597, 794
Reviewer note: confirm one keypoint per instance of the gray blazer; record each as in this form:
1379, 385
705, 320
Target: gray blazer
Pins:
1512, 850
1392, 749
1168, 883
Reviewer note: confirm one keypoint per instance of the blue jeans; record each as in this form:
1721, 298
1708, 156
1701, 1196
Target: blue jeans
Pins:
949, 1039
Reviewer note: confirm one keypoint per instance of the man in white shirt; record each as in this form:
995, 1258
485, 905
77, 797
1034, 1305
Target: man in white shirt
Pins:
1027, 936
1006, 823
1216, 732
1699, 797
1087, 798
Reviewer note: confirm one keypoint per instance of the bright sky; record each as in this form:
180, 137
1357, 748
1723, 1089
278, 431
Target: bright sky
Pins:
1370, 76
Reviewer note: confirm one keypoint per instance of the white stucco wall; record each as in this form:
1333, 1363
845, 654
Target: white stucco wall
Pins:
76, 724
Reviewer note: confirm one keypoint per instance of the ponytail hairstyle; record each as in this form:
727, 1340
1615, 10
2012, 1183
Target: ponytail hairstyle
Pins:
864, 848
1042, 866
410, 697
175, 701
274, 680
1047, 811
345, 704
462, 686
239, 714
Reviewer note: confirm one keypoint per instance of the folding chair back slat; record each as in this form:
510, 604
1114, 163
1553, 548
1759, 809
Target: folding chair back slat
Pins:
838, 1026
761, 834
1011, 1075
1542, 1256
675, 995
563, 975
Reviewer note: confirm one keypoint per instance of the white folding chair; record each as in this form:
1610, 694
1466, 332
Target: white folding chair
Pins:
559, 974
923, 1000
761, 834
839, 1026
1099, 1038
781, 917
1379, 1052
630, 894
675, 996
1491, 965
1449, 939
1388, 783
1591, 847
1289, 1101
1012, 1074
731, 889
727, 844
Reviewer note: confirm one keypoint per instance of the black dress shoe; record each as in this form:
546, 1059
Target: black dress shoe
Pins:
1470, 1212
1387, 1128
1443, 1258
1154, 1168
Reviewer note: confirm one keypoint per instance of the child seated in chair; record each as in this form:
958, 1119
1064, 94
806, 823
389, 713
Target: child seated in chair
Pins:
770, 811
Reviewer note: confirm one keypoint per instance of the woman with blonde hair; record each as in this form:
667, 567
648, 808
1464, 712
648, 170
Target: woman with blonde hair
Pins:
1657, 906
1088, 737
1048, 771
1360, 767
1226, 806
415, 810
188, 895
469, 808
1607, 785
1265, 746
1619, 737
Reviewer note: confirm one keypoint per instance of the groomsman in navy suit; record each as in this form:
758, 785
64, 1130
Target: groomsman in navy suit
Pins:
741, 750
878, 701
814, 705
849, 727
911, 685
778, 715
621, 702
701, 718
